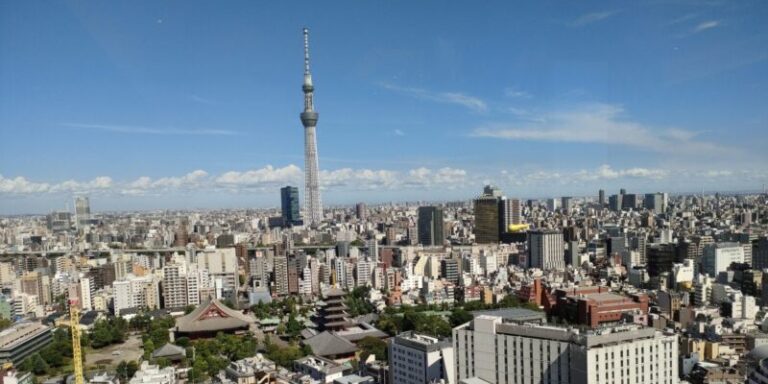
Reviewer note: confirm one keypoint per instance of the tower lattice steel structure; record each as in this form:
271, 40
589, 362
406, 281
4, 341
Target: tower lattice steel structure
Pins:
312, 204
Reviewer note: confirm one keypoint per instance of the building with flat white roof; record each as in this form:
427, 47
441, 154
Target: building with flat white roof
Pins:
419, 359
320, 369
22, 340
496, 351
153, 374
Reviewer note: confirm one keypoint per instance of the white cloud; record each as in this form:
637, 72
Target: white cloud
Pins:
516, 93
466, 101
268, 175
95, 185
358, 178
703, 26
399, 132
20, 185
592, 17
602, 124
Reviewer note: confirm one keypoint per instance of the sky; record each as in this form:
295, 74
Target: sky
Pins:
191, 104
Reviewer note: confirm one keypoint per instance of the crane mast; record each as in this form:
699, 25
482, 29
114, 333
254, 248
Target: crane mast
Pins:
74, 327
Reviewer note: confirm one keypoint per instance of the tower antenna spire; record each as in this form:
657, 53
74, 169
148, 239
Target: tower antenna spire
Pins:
306, 51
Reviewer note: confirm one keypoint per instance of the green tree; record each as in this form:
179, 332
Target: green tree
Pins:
188, 309
5, 323
149, 347
372, 346
39, 366
293, 327
459, 316
183, 342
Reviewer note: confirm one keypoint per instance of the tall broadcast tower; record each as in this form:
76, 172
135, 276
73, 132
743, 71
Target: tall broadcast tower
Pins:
309, 117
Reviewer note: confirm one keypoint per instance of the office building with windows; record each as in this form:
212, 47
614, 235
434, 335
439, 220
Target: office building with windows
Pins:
289, 202
493, 350
430, 226
546, 249
419, 359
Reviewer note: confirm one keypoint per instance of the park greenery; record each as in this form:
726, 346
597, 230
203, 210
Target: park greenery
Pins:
357, 301
429, 319
280, 308
370, 345
285, 356
107, 332
53, 358
209, 356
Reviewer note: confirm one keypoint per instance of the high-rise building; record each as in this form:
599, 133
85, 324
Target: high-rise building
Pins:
135, 292
567, 202
430, 226
495, 350
289, 202
660, 258
654, 202
601, 198
363, 271
221, 264
86, 290
175, 285
82, 211
281, 275
760, 254
546, 249
510, 213
360, 210
419, 359
629, 201
492, 190
487, 217
311, 165
552, 204
718, 257
449, 270
293, 276
615, 202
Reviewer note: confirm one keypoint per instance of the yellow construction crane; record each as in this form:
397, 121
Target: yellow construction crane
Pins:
74, 327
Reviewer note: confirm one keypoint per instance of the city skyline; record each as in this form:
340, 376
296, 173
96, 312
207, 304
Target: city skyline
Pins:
146, 107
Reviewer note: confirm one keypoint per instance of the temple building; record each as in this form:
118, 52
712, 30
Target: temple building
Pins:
333, 314
210, 318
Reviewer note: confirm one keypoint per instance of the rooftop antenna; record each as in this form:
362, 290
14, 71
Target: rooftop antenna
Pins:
307, 75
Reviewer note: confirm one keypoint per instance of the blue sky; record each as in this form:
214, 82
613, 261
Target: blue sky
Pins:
185, 104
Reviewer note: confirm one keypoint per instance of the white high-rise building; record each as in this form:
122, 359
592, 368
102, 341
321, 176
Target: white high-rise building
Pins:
364, 270
501, 352
702, 293
175, 285
87, 289
135, 292
221, 264
718, 257
193, 285
546, 249
488, 262
419, 359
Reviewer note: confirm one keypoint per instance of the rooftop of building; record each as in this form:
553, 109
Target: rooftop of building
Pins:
608, 334
420, 341
320, 364
20, 333
514, 314
353, 379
